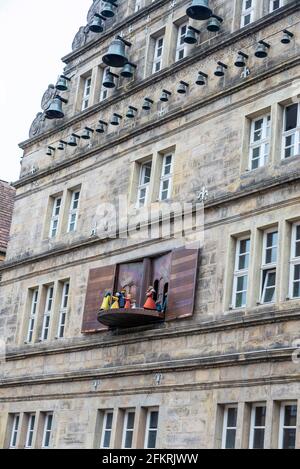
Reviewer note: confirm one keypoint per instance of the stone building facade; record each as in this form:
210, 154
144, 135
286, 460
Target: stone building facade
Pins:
7, 194
220, 369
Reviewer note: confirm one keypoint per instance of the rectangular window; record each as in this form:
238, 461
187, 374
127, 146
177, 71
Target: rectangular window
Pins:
269, 266
291, 134
229, 427
30, 431
47, 313
137, 5
248, 12
107, 429
288, 425
295, 262
181, 46
73, 215
47, 430
104, 91
15, 431
144, 183
128, 429
260, 141
166, 178
240, 282
55, 217
33, 314
86, 93
63, 310
151, 429
258, 426
275, 4
158, 54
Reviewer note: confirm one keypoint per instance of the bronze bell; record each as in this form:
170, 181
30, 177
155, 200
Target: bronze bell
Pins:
128, 70
73, 140
55, 111
109, 80
287, 37
109, 9
147, 104
62, 83
220, 71
199, 10
101, 128
191, 35
202, 79
262, 50
61, 145
87, 133
97, 24
241, 60
116, 119
183, 87
50, 151
131, 112
214, 24
115, 57
165, 96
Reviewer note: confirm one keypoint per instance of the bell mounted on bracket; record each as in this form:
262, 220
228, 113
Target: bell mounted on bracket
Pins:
62, 144
102, 127
50, 151
54, 110
183, 87
131, 113
165, 96
147, 104
109, 80
73, 140
128, 70
214, 24
87, 133
116, 118
287, 37
241, 60
199, 10
202, 79
221, 68
116, 57
262, 50
109, 8
191, 35
97, 24
62, 83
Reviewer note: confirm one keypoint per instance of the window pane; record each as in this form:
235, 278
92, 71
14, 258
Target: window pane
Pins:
130, 421
152, 439
232, 417
290, 417
106, 441
230, 439
154, 420
109, 420
259, 438
128, 439
289, 439
291, 117
260, 416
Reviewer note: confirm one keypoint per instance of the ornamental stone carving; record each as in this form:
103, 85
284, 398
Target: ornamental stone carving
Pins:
47, 97
95, 8
37, 125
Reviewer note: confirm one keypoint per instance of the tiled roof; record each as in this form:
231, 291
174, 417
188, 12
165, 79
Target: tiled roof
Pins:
7, 195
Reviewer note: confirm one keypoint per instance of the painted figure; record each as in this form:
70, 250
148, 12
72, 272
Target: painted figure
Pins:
106, 303
116, 304
150, 303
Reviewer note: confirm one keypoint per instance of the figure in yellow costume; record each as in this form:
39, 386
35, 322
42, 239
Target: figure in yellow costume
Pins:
106, 303
116, 304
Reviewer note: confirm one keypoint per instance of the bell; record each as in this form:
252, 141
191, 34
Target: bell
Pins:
214, 24
108, 9
191, 35
262, 50
73, 140
55, 111
182, 88
115, 56
241, 60
50, 151
131, 112
165, 96
287, 37
220, 70
87, 133
147, 104
202, 79
115, 119
101, 128
128, 70
61, 145
199, 10
97, 25
109, 80
62, 83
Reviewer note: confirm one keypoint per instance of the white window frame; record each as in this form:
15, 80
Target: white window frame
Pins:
103, 90
272, 5
87, 88
30, 430
181, 46
253, 427
144, 186
149, 429
33, 315
268, 268
54, 224
15, 431
166, 177
248, 11
240, 273
47, 313
158, 54
282, 427
106, 430
294, 261
225, 424
65, 296
73, 211
263, 144
47, 430
291, 133
138, 5
125, 429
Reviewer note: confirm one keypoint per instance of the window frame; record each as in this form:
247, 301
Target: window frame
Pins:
65, 296
144, 185
289, 133
87, 89
105, 430
262, 144
30, 430
149, 429
47, 430
158, 59
254, 427
282, 427
55, 217
271, 5
181, 46
15, 429
74, 211
126, 429
166, 177
33, 315
103, 91
246, 12
240, 272
47, 313
268, 268
225, 424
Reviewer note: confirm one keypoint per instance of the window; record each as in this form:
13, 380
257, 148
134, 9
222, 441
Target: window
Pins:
47, 430
55, 217
30, 431
107, 429
288, 425
166, 178
15, 431
63, 310
248, 10
269, 264
86, 93
128, 429
73, 215
32, 318
47, 313
275, 4
295, 262
291, 134
258, 426
158, 54
151, 429
138, 5
104, 91
229, 427
144, 183
260, 142
181, 46
240, 283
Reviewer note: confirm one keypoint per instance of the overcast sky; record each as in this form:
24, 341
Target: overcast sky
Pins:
34, 35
